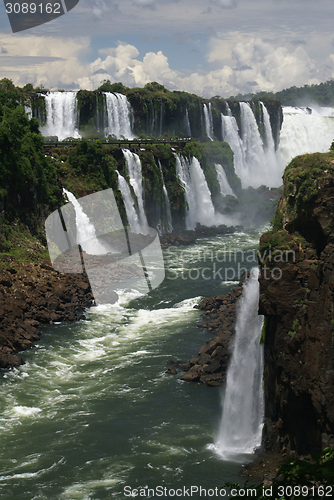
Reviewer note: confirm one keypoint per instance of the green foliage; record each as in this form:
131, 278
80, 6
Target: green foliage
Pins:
322, 94
309, 478
107, 86
301, 178
277, 221
264, 330
25, 175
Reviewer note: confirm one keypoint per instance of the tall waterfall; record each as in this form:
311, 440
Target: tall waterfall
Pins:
119, 114
225, 188
255, 160
169, 227
61, 115
86, 235
200, 208
129, 203
208, 122
231, 135
133, 166
305, 130
243, 407
187, 124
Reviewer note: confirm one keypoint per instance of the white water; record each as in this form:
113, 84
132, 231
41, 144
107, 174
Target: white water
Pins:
86, 234
169, 227
261, 166
129, 203
61, 115
231, 135
133, 166
304, 132
243, 408
119, 114
208, 122
187, 124
225, 188
200, 208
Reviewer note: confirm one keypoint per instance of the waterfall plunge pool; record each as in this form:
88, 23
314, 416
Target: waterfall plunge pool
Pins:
93, 411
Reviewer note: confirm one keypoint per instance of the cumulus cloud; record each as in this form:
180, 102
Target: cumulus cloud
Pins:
44, 60
235, 64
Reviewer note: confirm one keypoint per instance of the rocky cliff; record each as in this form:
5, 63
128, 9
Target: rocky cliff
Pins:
297, 300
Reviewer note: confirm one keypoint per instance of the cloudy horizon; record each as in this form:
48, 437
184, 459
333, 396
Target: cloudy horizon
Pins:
217, 47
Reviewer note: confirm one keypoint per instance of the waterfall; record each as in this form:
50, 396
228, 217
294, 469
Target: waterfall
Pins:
86, 235
169, 227
129, 203
225, 188
200, 208
208, 122
305, 130
255, 162
61, 115
230, 133
243, 407
187, 124
119, 114
133, 166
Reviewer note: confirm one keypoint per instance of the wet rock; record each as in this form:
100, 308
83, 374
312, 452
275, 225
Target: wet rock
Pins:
171, 370
210, 365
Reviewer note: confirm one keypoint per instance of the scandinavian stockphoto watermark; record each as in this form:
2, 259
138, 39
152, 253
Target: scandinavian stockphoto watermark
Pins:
87, 235
227, 265
23, 14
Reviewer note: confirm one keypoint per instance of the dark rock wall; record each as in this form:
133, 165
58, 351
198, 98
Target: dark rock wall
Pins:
297, 298
158, 111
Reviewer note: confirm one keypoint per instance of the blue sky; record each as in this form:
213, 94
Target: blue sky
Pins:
213, 47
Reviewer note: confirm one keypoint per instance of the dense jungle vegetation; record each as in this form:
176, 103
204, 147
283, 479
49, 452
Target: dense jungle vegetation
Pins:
321, 94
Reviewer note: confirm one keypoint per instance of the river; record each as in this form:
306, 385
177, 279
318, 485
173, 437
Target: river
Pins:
92, 411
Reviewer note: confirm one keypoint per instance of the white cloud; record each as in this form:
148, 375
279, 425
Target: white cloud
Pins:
45, 61
236, 63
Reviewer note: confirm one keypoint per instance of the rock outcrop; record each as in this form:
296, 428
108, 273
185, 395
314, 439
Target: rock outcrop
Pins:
33, 295
297, 300
210, 364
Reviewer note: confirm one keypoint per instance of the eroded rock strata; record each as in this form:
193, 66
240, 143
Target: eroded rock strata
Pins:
297, 300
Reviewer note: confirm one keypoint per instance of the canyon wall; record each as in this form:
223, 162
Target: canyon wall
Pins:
297, 300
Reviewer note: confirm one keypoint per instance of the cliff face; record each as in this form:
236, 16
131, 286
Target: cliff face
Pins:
297, 299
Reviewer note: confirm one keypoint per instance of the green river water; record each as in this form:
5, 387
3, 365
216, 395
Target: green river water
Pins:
92, 411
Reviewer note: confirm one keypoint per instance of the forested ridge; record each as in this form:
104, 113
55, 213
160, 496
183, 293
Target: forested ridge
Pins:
321, 94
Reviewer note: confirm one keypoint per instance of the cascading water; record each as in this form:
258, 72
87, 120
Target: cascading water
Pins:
208, 122
305, 130
119, 114
187, 124
129, 203
255, 174
133, 166
230, 133
169, 227
254, 162
200, 208
61, 115
243, 407
86, 235
225, 188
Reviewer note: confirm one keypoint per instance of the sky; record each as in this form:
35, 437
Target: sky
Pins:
212, 47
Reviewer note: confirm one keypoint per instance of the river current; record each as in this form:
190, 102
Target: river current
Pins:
92, 411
